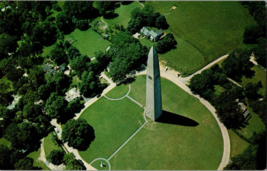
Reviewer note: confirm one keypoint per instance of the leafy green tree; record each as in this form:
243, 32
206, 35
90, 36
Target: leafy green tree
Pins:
260, 52
56, 157
5, 158
58, 54
8, 44
25, 164
63, 23
78, 133
36, 77
31, 111
71, 163
252, 89
55, 106
15, 74
89, 84
74, 106
80, 64
103, 6
79, 9
166, 44
45, 33
59, 83
161, 22
251, 34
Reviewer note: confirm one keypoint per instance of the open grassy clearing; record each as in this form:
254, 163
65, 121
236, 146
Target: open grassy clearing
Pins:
260, 75
118, 91
185, 58
97, 163
254, 124
238, 145
124, 12
4, 142
113, 122
34, 155
50, 144
218, 89
165, 146
89, 42
213, 28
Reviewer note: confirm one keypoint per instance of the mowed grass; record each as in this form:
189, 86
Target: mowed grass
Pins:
260, 75
50, 145
34, 155
119, 91
164, 146
88, 42
124, 12
113, 122
185, 58
97, 163
238, 145
254, 124
212, 28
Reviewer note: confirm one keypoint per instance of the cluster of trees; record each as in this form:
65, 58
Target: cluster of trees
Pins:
58, 157
253, 157
127, 54
166, 44
146, 17
256, 34
237, 64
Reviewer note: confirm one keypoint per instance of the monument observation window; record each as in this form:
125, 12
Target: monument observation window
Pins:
150, 77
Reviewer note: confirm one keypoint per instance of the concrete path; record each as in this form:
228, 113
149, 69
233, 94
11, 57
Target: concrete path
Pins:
252, 59
185, 80
172, 76
234, 82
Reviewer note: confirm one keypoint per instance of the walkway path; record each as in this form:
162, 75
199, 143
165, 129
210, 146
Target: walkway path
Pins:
186, 79
234, 82
252, 59
172, 76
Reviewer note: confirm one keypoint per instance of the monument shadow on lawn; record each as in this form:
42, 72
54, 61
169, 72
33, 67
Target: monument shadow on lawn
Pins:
175, 119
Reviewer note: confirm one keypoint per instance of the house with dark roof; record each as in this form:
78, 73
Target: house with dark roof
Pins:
243, 109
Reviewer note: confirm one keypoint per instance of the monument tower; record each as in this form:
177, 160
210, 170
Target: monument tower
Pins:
153, 89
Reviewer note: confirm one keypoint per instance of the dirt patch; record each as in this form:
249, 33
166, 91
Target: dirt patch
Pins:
173, 7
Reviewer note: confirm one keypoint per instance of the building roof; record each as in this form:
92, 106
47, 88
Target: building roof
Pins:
153, 34
159, 32
242, 106
48, 68
136, 35
145, 30
246, 113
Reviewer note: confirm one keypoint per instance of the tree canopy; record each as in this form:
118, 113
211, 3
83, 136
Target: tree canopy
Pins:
78, 133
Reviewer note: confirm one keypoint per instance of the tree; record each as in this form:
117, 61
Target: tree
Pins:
80, 64
31, 111
74, 106
8, 44
88, 86
251, 34
63, 22
252, 89
58, 54
5, 158
103, 6
260, 52
71, 163
78, 133
55, 106
166, 44
161, 22
25, 164
56, 157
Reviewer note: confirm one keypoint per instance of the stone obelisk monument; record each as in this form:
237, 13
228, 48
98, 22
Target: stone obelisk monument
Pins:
153, 88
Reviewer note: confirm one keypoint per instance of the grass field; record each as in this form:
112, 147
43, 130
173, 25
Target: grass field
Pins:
97, 163
124, 12
172, 145
88, 43
260, 75
254, 124
118, 91
238, 145
212, 28
34, 155
50, 145
113, 123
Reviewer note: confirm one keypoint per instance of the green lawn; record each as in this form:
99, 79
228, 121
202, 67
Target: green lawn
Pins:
60, 3
4, 142
34, 155
118, 91
124, 12
238, 145
212, 28
260, 75
50, 145
254, 124
218, 89
97, 163
163, 146
113, 122
88, 43
146, 42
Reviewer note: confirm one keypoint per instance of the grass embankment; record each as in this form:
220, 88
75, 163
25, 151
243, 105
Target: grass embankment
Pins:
89, 42
34, 155
119, 91
212, 28
193, 143
238, 145
113, 122
50, 144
